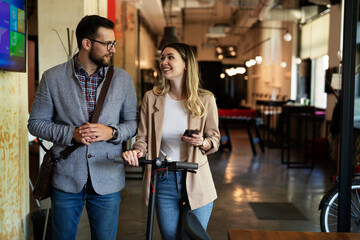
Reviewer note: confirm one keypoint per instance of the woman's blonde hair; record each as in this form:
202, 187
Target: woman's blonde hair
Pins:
192, 85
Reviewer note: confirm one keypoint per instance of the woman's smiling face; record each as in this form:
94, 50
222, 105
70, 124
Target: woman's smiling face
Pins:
172, 65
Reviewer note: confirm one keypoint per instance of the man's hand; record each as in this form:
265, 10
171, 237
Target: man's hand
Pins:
79, 138
92, 132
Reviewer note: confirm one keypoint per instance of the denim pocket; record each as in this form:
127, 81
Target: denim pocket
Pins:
162, 175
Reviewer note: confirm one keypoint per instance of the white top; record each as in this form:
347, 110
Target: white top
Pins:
175, 124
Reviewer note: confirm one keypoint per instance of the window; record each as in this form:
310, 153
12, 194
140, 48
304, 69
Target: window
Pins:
318, 94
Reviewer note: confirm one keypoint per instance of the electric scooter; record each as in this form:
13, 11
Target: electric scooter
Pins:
190, 222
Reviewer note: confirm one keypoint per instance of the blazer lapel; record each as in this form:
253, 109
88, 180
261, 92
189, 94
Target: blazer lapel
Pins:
159, 110
72, 75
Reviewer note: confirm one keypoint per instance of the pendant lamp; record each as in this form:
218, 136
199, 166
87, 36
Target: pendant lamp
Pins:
169, 36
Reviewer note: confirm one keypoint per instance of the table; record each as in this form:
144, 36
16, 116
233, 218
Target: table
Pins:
270, 111
306, 117
234, 234
248, 118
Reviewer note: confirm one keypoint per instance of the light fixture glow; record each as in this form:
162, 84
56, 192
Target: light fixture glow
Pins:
222, 75
232, 72
298, 60
258, 59
240, 70
218, 50
252, 62
220, 56
287, 37
283, 64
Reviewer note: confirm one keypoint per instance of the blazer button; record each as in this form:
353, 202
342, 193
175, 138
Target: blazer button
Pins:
90, 156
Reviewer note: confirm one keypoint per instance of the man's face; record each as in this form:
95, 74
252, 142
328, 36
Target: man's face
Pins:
99, 53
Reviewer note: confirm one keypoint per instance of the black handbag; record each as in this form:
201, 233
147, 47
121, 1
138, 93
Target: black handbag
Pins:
42, 188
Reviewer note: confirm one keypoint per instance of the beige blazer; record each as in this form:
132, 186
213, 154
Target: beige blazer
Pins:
200, 186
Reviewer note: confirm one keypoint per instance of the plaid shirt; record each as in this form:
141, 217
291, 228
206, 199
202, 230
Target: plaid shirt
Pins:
89, 84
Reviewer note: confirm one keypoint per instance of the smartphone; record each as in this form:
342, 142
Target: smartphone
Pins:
189, 132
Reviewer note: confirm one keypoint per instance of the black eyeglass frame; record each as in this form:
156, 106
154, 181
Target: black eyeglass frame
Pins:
109, 45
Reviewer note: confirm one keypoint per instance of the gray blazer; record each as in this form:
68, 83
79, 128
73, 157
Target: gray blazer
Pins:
60, 107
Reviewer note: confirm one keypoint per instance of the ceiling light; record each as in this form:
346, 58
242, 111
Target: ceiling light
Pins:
240, 70
169, 36
287, 37
283, 64
258, 59
298, 60
231, 71
222, 75
225, 51
252, 62
220, 56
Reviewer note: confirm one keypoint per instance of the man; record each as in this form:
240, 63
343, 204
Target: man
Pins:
61, 113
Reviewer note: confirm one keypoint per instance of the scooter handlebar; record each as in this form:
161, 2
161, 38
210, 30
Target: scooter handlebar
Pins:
163, 163
183, 166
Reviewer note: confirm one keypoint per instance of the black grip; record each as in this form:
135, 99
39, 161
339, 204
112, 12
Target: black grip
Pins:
142, 160
161, 163
184, 166
119, 159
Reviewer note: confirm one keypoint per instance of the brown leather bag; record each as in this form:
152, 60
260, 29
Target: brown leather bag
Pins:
42, 187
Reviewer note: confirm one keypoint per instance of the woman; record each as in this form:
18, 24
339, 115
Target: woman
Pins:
166, 112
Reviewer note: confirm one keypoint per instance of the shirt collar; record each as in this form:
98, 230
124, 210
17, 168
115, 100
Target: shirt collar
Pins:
80, 70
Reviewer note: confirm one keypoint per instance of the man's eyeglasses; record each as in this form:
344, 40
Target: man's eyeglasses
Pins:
109, 45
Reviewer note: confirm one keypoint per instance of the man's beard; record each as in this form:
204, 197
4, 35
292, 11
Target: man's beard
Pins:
98, 60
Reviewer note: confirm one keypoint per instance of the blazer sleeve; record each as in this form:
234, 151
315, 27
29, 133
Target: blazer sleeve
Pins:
141, 142
41, 122
211, 128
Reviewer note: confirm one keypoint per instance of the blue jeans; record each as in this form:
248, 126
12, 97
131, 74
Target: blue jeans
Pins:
102, 210
172, 202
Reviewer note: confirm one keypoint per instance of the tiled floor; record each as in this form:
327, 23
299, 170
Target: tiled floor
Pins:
240, 178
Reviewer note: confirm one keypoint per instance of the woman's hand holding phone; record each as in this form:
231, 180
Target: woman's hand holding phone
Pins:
193, 137
190, 132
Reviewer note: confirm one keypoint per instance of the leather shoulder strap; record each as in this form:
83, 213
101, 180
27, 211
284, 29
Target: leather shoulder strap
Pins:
101, 100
